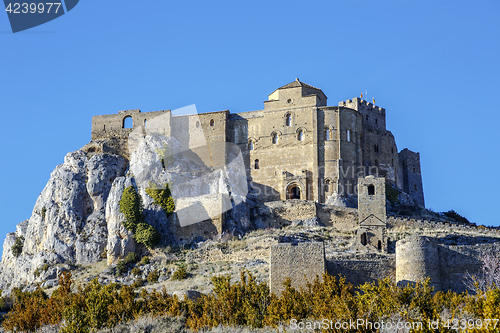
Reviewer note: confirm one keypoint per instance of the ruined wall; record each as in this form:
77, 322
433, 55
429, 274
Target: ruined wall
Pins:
412, 175
301, 263
363, 268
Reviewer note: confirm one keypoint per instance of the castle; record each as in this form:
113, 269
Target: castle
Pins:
297, 147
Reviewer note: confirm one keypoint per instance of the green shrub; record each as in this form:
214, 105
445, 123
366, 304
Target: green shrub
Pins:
153, 276
139, 282
145, 261
147, 235
179, 274
162, 197
131, 207
131, 258
17, 248
136, 271
121, 267
44, 210
391, 193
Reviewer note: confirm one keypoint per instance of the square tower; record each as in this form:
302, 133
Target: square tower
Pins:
371, 214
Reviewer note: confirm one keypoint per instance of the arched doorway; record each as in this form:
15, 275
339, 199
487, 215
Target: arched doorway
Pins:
293, 192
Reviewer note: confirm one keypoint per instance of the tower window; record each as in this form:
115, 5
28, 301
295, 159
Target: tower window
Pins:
145, 122
300, 135
371, 190
256, 164
275, 138
327, 185
327, 134
197, 124
414, 169
212, 122
250, 145
376, 121
367, 117
348, 135
363, 239
375, 148
288, 120
415, 187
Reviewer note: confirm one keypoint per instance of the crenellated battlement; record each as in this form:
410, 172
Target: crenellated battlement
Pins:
356, 102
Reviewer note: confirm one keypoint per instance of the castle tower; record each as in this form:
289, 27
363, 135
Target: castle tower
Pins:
371, 214
417, 257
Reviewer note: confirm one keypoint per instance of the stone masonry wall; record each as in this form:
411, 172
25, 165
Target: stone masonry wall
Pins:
301, 263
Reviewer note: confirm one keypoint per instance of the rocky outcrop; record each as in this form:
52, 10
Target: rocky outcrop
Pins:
67, 225
77, 218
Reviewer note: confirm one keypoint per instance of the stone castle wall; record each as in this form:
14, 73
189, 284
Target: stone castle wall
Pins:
301, 263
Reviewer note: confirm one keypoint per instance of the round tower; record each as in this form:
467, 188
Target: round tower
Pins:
416, 259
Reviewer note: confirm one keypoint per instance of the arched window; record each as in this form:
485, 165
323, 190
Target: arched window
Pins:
371, 190
348, 135
300, 135
375, 148
379, 245
275, 138
212, 122
250, 145
145, 122
256, 164
327, 134
128, 122
327, 185
288, 120
197, 124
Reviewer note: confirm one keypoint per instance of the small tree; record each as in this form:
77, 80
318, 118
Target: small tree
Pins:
131, 207
488, 278
17, 248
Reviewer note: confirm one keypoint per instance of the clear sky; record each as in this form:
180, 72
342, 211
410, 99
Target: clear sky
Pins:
433, 65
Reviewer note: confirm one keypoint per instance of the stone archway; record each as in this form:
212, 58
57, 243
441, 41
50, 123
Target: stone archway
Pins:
293, 192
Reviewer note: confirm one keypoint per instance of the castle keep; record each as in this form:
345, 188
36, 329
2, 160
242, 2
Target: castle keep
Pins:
297, 147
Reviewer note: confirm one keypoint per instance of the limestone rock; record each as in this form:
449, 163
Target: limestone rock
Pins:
67, 224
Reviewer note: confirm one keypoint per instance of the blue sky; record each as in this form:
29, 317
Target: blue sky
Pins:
432, 65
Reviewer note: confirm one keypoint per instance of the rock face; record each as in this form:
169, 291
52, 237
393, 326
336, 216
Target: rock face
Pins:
68, 224
77, 218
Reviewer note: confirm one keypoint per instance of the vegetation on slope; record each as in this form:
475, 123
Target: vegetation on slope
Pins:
131, 206
249, 303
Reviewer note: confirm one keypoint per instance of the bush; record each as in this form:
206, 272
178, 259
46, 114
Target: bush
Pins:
147, 235
457, 217
136, 271
162, 197
144, 261
131, 206
139, 282
131, 258
17, 248
391, 193
44, 211
153, 276
121, 267
179, 274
